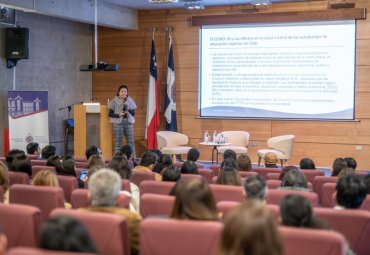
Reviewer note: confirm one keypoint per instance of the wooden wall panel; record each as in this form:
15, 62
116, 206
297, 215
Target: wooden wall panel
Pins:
322, 141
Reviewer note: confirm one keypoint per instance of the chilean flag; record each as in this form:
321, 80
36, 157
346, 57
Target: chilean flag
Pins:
152, 110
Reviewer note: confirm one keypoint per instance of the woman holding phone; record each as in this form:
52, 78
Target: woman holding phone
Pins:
121, 112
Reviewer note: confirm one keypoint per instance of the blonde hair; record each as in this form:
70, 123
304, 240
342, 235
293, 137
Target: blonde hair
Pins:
45, 178
4, 177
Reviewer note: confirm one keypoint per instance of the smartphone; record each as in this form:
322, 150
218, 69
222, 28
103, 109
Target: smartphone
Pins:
83, 175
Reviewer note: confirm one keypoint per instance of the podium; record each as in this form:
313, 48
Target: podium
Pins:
92, 127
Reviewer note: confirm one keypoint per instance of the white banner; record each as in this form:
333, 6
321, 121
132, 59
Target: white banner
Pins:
28, 118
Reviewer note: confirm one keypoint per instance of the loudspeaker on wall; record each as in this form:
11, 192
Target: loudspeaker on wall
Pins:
16, 43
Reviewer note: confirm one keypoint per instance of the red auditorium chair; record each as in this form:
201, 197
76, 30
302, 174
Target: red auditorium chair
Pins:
366, 203
319, 181
18, 178
180, 237
215, 169
156, 205
227, 193
139, 176
38, 162
274, 184
154, 187
305, 241
275, 196
126, 185
44, 198
272, 176
80, 164
244, 174
109, 231
224, 207
311, 174
36, 169
68, 184
206, 174
327, 195
263, 171
353, 224
21, 224
190, 176
80, 199
38, 251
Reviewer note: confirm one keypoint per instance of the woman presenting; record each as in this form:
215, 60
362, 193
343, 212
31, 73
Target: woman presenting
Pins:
121, 112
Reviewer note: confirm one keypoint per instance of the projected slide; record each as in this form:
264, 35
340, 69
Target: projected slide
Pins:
287, 70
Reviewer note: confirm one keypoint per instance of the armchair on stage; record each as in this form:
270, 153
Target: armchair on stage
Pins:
238, 141
172, 143
282, 146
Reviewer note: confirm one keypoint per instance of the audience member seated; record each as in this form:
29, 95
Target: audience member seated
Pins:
147, 162
307, 163
351, 162
55, 161
48, 151
21, 164
158, 153
49, 179
367, 183
250, 229
164, 161
64, 233
338, 165
296, 211
346, 171
68, 168
4, 181
95, 163
351, 192
244, 163
33, 149
229, 154
229, 162
285, 170
189, 167
92, 150
255, 187
270, 160
229, 176
120, 165
193, 155
294, 180
127, 151
12, 154
104, 189
3, 244
171, 174
194, 201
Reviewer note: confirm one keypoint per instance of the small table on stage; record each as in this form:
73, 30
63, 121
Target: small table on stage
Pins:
215, 145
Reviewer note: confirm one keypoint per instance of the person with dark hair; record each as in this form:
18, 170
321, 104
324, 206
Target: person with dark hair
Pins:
294, 180
147, 162
345, 171
121, 112
63, 233
351, 192
157, 152
92, 150
127, 151
307, 163
189, 167
296, 211
229, 154
270, 160
48, 151
244, 163
33, 149
250, 229
255, 187
21, 164
95, 161
13, 154
338, 165
351, 162
164, 161
285, 170
367, 183
56, 162
229, 162
68, 168
171, 174
194, 201
193, 154
229, 176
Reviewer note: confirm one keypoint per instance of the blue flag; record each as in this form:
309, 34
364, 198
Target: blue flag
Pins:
170, 96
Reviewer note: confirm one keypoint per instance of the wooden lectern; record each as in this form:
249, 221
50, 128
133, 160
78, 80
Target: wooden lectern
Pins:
92, 127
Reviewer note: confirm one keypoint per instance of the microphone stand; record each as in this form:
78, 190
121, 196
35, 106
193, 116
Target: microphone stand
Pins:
69, 107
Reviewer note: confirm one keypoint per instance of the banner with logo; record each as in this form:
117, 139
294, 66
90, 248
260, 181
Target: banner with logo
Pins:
28, 118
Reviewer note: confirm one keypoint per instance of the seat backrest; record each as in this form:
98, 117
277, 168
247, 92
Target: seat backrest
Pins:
38, 251
156, 205
190, 176
154, 187
206, 174
311, 174
215, 169
244, 174
319, 181
353, 224
36, 169
236, 138
171, 139
139, 176
227, 193
80, 199
305, 241
366, 203
327, 192
21, 224
68, 184
274, 184
283, 143
109, 231
273, 176
18, 178
38, 162
42, 197
180, 237
126, 185
81, 164
263, 171
224, 207
275, 196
